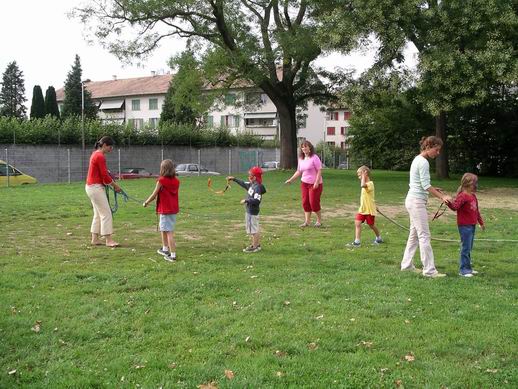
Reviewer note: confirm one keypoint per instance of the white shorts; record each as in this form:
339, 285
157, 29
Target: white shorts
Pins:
251, 223
167, 222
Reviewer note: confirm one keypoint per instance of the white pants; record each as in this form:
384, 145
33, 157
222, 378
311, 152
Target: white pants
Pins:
419, 236
102, 222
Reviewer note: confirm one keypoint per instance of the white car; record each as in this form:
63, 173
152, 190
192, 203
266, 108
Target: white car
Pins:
270, 165
193, 169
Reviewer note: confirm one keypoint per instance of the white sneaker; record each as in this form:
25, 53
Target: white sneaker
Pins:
435, 275
467, 275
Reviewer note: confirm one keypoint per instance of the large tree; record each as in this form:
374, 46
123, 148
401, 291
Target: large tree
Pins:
51, 104
75, 91
464, 48
271, 44
38, 104
12, 94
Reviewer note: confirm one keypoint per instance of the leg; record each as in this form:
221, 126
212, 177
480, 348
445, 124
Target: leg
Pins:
357, 230
314, 202
423, 234
466, 236
255, 240
375, 229
412, 241
102, 213
165, 242
304, 191
170, 241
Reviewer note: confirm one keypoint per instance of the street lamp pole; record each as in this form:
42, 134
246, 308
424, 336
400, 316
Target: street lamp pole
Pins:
82, 130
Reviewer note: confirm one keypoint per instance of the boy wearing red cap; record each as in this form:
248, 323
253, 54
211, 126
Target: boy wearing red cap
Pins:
255, 190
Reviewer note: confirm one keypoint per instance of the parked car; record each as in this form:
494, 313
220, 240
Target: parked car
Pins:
16, 177
134, 172
270, 165
342, 165
192, 169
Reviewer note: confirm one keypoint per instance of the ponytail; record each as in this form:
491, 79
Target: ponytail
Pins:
430, 142
105, 140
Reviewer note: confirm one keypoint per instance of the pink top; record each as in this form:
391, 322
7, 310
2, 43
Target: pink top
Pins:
309, 168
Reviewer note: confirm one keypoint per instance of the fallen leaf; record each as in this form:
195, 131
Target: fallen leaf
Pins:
312, 346
287, 303
352, 319
209, 385
69, 234
279, 374
279, 353
253, 276
247, 339
410, 357
364, 343
398, 383
140, 366
407, 321
172, 365
37, 326
12, 372
383, 370
492, 370
14, 311
319, 317
229, 374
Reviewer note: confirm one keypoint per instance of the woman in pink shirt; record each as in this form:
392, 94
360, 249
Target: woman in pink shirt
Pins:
310, 168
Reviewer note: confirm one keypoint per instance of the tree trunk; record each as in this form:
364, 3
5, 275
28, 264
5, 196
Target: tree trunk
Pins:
441, 163
288, 134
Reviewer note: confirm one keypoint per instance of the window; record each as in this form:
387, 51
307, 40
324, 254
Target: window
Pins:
135, 105
237, 120
302, 121
330, 130
153, 104
230, 120
224, 121
209, 120
347, 115
136, 124
253, 98
153, 122
331, 144
332, 115
343, 145
230, 99
343, 130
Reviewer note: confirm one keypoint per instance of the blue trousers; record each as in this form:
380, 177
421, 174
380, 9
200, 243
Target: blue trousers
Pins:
467, 235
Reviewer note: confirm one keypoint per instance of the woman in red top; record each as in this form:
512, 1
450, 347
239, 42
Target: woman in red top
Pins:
97, 178
166, 193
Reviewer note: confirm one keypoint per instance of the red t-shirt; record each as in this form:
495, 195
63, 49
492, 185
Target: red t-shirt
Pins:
466, 206
97, 170
167, 200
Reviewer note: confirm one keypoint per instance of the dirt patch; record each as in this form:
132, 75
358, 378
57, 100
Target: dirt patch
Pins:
504, 198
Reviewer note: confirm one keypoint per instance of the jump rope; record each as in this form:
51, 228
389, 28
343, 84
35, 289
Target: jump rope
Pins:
440, 211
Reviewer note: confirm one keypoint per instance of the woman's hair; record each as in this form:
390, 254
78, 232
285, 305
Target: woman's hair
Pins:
429, 142
362, 169
105, 140
167, 168
468, 181
311, 149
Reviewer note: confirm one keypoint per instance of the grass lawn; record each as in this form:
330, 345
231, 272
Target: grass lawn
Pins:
306, 311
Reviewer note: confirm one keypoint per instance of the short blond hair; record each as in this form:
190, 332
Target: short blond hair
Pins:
167, 168
365, 169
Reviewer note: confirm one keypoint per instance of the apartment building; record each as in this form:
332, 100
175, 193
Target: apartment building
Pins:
138, 102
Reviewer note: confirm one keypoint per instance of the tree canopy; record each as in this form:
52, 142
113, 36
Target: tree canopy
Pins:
271, 44
12, 94
75, 92
51, 104
38, 104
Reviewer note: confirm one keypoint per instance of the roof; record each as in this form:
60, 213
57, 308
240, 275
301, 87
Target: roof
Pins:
150, 85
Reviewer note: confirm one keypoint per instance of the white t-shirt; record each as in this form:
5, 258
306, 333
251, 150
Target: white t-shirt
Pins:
419, 178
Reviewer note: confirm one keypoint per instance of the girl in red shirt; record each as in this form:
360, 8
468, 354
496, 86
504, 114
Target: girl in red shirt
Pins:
97, 178
166, 193
468, 215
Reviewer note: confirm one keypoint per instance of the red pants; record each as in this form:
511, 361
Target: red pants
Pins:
310, 197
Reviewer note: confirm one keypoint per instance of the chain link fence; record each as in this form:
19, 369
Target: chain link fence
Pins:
66, 164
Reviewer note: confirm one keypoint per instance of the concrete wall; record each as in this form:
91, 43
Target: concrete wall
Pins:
51, 163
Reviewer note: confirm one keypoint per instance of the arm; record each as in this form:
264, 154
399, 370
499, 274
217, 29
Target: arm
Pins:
153, 195
440, 195
457, 203
479, 217
241, 183
317, 179
295, 175
363, 184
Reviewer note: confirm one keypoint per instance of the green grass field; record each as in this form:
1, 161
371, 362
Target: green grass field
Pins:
306, 311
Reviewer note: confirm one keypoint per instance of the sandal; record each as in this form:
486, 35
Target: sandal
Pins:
304, 225
317, 224
112, 245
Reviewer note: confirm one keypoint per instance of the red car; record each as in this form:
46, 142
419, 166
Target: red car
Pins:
134, 172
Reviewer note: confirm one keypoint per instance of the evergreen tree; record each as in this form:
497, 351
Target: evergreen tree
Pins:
51, 104
72, 105
12, 94
38, 105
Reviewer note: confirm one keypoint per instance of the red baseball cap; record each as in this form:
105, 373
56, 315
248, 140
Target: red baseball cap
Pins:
257, 172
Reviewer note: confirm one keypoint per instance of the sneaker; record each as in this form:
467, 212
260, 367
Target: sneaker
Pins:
378, 241
412, 269
474, 272
317, 224
354, 244
169, 258
466, 275
435, 275
304, 225
165, 253
252, 249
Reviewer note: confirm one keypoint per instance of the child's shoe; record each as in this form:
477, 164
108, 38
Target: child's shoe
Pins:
163, 252
252, 249
354, 244
378, 240
169, 258
467, 275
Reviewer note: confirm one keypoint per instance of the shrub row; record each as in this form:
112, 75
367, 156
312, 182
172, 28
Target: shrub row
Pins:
54, 131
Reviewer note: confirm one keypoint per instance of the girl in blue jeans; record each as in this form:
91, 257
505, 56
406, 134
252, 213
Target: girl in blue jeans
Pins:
468, 215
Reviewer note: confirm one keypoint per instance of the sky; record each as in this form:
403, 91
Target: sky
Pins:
43, 41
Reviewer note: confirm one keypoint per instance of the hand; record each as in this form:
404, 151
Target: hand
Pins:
482, 227
230, 178
242, 201
144, 204
315, 185
116, 187
447, 199
288, 181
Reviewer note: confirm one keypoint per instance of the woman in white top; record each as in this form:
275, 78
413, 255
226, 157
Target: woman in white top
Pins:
415, 203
